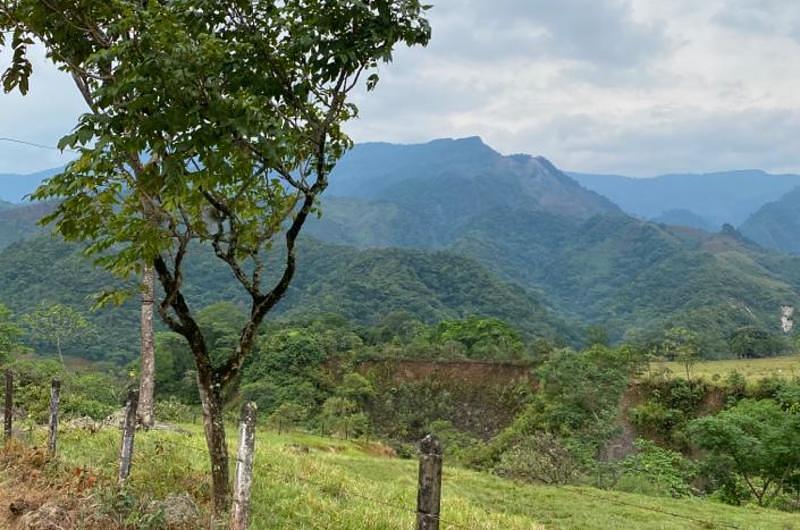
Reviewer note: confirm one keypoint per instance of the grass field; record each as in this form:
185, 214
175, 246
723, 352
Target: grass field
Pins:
784, 366
308, 482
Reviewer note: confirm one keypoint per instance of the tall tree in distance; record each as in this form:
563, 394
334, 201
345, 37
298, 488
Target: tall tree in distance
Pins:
59, 326
147, 376
212, 124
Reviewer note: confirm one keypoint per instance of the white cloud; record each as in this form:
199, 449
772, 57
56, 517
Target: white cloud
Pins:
628, 86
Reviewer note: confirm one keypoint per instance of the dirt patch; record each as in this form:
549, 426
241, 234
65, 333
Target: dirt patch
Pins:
37, 493
378, 449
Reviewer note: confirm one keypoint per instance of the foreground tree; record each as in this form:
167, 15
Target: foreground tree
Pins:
754, 441
211, 123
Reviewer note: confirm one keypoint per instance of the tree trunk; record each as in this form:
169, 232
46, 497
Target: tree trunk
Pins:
214, 425
148, 366
60, 353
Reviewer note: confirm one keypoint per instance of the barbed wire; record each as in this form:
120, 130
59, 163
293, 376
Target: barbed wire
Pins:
704, 523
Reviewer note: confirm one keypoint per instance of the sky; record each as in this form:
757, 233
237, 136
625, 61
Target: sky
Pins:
634, 87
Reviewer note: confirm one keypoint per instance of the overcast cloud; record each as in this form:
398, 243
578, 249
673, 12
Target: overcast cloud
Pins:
637, 87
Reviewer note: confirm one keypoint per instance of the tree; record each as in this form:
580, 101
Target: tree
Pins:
341, 416
288, 415
597, 336
57, 325
751, 341
357, 388
210, 123
481, 337
10, 333
755, 440
681, 345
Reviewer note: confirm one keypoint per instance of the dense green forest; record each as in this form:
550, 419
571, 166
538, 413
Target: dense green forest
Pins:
361, 285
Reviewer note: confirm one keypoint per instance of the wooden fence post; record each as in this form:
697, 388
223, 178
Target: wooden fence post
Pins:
9, 408
128, 432
244, 467
429, 492
55, 393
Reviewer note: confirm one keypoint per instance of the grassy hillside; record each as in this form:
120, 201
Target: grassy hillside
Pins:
304, 481
753, 369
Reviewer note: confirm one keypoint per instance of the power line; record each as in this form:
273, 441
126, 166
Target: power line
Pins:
34, 144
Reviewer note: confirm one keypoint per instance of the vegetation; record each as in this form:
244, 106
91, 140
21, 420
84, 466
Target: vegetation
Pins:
308, 481
58, 326
363, 286
10, 334
752, 444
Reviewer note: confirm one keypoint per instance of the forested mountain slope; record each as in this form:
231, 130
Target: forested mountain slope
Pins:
363, 286
18, 222
591, 261
777, 224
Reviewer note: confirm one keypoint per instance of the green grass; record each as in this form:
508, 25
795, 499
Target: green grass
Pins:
308, 482
752, 369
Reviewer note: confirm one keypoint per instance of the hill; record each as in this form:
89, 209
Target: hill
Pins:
519, 221
362, 285
15, 187
424, 195
305, 481
687, 218
719, 198
19, 222
776, 224
631, 275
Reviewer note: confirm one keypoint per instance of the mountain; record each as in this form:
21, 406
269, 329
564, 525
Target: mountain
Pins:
18, 222
687, 218
590, 261
361, 285
725, 197
15, 187
632, 276
777, 224
426, 195
452, 227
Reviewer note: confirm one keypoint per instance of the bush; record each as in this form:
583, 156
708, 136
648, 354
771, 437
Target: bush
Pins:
173, 410
541, 457
656, 471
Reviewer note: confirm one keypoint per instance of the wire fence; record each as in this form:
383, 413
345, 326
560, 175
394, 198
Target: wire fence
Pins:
426, 519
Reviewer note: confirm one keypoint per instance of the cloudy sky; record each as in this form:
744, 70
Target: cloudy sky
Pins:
637, 87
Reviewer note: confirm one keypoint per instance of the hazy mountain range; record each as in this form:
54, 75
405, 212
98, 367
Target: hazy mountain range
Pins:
716, 198
452, 227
